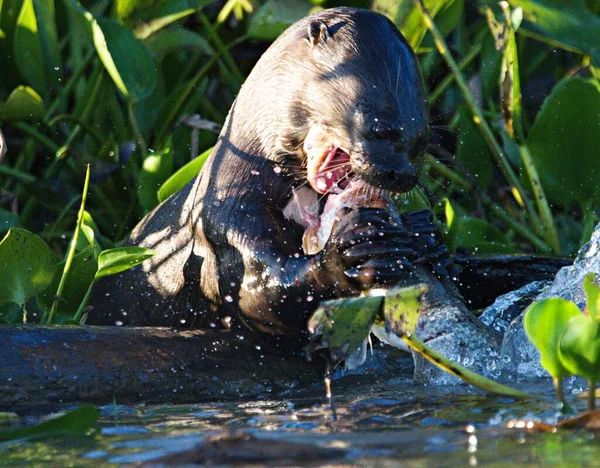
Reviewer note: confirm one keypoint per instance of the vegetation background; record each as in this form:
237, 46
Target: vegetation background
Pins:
138, 90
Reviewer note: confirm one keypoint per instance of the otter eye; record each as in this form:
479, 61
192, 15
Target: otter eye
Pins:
382, 131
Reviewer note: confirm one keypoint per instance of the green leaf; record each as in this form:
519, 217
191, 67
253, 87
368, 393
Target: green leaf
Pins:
113, 261
560, 24
342, 325
478, 236
28, 49
22, 104
592, 293
275, 16
401, 309
564, 143
136, 11
81, 274
183, 175
156, 169
544, 323
75, 423
579, 347
406, 15
26, 266
128, 62
176, 39
7, 220
472, 151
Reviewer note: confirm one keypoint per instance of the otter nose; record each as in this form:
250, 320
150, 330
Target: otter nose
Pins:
400, 181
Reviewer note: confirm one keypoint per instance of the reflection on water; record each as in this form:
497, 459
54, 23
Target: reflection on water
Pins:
380, 420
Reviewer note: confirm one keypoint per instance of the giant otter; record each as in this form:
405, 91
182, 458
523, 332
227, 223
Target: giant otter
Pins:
336, 101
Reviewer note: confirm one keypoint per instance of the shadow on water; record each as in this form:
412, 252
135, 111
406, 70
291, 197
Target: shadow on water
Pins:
381, 420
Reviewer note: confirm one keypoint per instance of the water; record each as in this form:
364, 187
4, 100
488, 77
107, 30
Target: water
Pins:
381, 421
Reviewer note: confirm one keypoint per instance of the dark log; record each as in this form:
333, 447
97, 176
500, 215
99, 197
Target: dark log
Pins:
40, 365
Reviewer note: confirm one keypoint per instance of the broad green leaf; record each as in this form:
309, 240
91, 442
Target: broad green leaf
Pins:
148, 29
564, 143
401, 309
579, 347
26, 266
275, 16
82, 272
48, 37
558, 23
177, 39
478, 236
406, 15
113, 261
22, 104
11, 313
544, 323
156, 169
342, 325
128, 62
182, 176
75, 423
28, 48
472, 151
592, 294
136, 11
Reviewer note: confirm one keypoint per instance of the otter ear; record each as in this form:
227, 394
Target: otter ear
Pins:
317, 33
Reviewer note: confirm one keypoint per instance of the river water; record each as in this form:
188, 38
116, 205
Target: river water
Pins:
381, 421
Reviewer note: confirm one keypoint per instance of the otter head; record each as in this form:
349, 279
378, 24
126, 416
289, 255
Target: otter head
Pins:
361, 109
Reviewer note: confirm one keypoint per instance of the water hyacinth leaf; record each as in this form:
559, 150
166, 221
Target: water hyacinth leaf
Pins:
401, 309
566, 129
27, 265
182, 176
48, 37
113, 261
579, 347
128, 62
472, 151
544, 323
133, 12
28, 48
342, 325
592, 294
8, 219
78, 422
22, 104
560, 23
275, 16
81, 274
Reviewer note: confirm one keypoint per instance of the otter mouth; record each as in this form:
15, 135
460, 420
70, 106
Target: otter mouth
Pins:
332, 172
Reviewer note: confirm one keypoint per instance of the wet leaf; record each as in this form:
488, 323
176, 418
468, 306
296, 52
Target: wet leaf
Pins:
75, 423
477, 236
22, 104
156, 169
82, 272
113, 261
26, 266
177, 39
579, 347
564, 142
275, 16
545, 323
342, 325
571, 26
128, 62
401, 309
182, 176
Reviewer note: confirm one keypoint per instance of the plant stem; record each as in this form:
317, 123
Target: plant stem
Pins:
592, 395
72, 247
558, 387
478, 117
79, 314
541, 200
